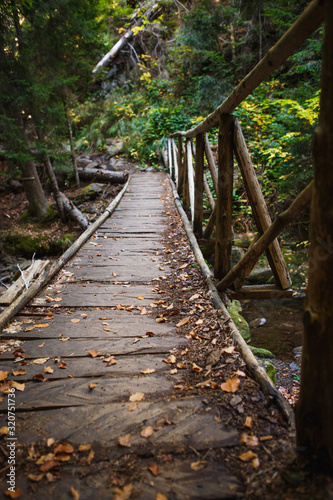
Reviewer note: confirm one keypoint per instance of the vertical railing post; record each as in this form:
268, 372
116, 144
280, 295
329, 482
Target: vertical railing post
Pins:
224, 197
198, 185
190, 177
186, 193
170, 157
175, 162
181, 166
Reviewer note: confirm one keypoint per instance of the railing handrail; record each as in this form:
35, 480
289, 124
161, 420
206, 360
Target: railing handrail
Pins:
302, 28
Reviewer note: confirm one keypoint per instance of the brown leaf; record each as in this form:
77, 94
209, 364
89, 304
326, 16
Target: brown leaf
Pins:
154, 469
133, 407
93, 353
48, 369
249, 439
248, 422
63, 457
14, 494
172, 359
84, 447
136, 396
75, 320
91, 456
39, 377
196, 368
231, 385
36, 477
143, 311
183, 322
228, 350
92, 386
48, 465
125, 441
3, 431
64, 339
43, 325
147, 432
20, 371
3, 375
42, 344
74, 493
160, 496
122, 493
248, 456
50, 442
63, 448
18, 386
62, 365
239, 373
40, 361
147, 371
198, 465
140, 297
51, 477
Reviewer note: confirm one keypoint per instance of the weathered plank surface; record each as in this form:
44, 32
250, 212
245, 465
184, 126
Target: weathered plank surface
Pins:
105, 300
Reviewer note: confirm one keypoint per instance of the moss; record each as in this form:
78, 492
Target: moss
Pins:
261, 353
234, 309
25, 245
49, 217
67, 240
270, 370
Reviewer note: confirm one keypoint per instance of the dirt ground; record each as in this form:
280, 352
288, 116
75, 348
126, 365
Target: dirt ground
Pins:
275, 470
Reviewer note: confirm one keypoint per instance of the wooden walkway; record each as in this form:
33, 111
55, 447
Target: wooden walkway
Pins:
88, 333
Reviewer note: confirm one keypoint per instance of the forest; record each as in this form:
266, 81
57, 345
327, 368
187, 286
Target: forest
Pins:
98, 83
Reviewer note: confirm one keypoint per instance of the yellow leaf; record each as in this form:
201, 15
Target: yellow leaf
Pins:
160, 496
36, 477
20, 371
248, 456
136, 396
84, 447
114, 274
92, 386
172, 359
140, 297
198, 465
147, 371
93, 353
40, 361
50, 442
133, 407
231, 385
125, 441
42, 325
48, 369
3, 431
3, 375
248, 439
75, 320
183, 322
147, 432
17, 386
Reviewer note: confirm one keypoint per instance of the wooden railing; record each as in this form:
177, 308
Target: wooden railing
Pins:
191, 181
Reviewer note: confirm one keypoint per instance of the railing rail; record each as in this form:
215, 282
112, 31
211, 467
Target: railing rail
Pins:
191, 181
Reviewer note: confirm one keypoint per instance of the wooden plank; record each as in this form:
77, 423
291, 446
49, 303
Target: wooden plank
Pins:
175, 161
180, 166
191, 427
261, 292
259, 208
80, 348
127, 365
211, 163
223, 240
76, 392
123, 273
198, 186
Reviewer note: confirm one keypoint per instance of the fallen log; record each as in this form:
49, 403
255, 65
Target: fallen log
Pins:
103, 175
73, 212
23, 281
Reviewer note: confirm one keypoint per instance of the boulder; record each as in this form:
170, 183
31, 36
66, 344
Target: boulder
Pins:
234, 309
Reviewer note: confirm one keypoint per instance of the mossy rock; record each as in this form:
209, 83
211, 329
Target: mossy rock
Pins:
90, 192
26, 245
234, 308
261, 353
270, 370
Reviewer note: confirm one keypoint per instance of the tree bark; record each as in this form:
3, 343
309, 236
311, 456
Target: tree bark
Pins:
104, 175
73, 212
314, 412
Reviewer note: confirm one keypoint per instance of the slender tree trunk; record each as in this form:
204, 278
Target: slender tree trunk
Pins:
33, 190
314, 412
70, 134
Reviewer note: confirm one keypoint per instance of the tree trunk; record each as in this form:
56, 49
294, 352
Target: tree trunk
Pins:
104, 175
70, 134
33, 190
314, 412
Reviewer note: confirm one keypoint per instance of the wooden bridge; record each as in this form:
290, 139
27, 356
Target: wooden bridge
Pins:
105, 406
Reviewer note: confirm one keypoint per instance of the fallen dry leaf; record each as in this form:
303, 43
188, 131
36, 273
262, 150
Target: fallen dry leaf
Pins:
183, 322
172, 359
228, 350
248, 422
48, 369
42, 345
140, 297
91, 457
50, 442
39, 377
14, 494
75, 320
111, 360
231, 385
196, 368
122, 493
20, 371
42, 325
17, 386
64, 339
136, 396
62, 365
239, 373
143, 311
154, 469
3, 431
63, 448
84, 447
198, 465
249, 439
160, 496
147, 432
248, 456
48, 465
93, 353
51, 477
74, 493
36, 477
3, 375
92, 386
147, 371
133, 407
40, 361
125, 441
